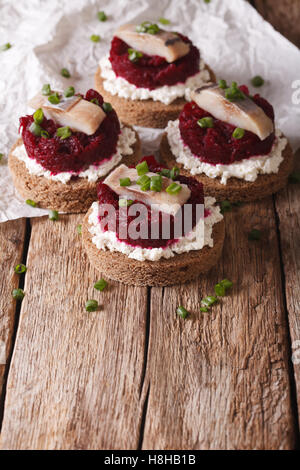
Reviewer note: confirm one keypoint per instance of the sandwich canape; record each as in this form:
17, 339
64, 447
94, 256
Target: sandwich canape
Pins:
228, 141
68, 145
177, 235
149, 73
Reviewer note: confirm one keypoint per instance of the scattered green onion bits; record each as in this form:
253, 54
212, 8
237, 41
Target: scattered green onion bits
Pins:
44, 134
165, 172
101, 16
100, 285
203, 309
95, 101
125, 202
91, 305
107, 107
95, 37
254, 235
54, 98
225, 207
1, 156
46, 90
156, 183
294, 177
238, 133
223, 84
63, 132
220, 290
257, 81
206, 122
31, 203
174, 173
233, 93
164, 21
144, 182
38, 116
209, 301
79, 229
5, 47
35, 129
53, 215
134, 56
148, 27
182, 312
174, 188
65, 73
18, 294
70, 91
142, 168
20, 269
125, 181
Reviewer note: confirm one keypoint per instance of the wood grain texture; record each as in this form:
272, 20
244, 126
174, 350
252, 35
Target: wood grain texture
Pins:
220, 380
12, 235
75, 377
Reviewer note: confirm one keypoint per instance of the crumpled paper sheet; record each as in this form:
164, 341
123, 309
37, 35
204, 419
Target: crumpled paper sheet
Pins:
46, 36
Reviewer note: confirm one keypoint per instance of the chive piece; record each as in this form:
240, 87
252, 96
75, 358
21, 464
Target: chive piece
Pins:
164, 21
165, 172
225, 207
44, 134
20, 269
95, 101
174, 188
156, 183
254, 234
1, 156
101, 16
53, 215
294, 177
35, 129
5, 47
223, 84
134, 56
31, 203
125, 182
63, 132
95, 37
233, 93
100, 285
226, 283
142, 168
18, 294
107, 107
65, 73
54, 98
220, 290
79, 229
174, 172
206, 122
38, 116
182, 312
206, 1
91, 305
148, 27
46, 90
144, 181
125, 202
257, 81
238, 133
209, 301
70, 91
203, 309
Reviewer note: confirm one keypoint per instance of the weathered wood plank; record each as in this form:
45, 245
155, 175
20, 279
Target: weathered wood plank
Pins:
287, 203
12, 236
220, 380
75, 377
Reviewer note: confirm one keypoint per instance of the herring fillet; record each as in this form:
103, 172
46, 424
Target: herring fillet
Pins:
164, 44
79, 114
162, 200
242, 113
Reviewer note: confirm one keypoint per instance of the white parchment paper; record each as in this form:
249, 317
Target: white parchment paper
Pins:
48, 35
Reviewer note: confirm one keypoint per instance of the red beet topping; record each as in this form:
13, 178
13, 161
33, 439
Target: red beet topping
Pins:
76, 152
107, 196
216, 145
153, 71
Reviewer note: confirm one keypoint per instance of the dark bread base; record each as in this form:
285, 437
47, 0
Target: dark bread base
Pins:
74, 197
146, 113
165, 272
236, 189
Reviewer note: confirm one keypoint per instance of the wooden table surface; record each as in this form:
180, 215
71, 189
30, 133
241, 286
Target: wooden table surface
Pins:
136, 376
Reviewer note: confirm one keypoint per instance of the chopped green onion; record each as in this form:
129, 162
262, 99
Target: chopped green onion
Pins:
125, 182
203, 309
206, 122
91, 305
125, 202
254, 234
95, 101
225, 207
294, 177
209, 301
5, 47
164, 21
53, 215
238, 133
1, 156
100, 285
79, 229
223, 84
156, 183
63, 132
107, 107
148, 27
144, 181
20, 269
38, 116
70, 91
54, 98
174, 188
257, 81
165, 172
65, 73
95, 37
220, 290
134, 56
174, 172
142, 168
35, 129
226, 283
206, 1
46, 90
101, 16
44, 134
18, 294
233, 93
31, 203
182, 312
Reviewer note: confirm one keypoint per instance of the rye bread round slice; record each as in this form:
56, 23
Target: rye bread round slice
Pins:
145, 113
75, 196
236, 190
180, 269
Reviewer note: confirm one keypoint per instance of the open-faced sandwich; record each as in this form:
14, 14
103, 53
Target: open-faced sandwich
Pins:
67, 146
152, 226
149, 73
227, 140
